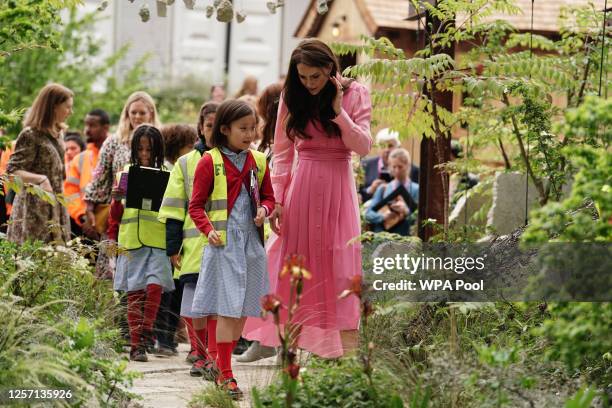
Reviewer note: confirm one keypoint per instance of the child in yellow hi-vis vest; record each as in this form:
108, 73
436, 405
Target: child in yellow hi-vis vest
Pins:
232, 194
144, 271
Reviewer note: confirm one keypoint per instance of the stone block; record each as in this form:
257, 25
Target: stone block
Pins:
508, 210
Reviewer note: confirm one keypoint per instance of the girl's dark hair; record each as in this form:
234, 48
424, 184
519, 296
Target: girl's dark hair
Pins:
205, 110
301, 105
175, 138
157, 145
267, 107
228, 112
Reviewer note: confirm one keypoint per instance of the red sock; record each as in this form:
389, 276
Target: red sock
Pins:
211, 325
201, 343
134, 316
224, 360
191, 333
151, 306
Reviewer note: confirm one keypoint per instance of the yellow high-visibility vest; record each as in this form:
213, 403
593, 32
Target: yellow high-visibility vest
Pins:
140, 227
216, 206
175, 205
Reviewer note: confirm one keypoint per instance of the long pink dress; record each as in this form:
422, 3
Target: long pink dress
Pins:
320, 216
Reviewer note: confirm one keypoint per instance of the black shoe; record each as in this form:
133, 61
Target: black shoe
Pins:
148, 341
138, 354
241, 347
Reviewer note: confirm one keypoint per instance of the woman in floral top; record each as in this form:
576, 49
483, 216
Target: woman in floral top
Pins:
39, 159
114, 155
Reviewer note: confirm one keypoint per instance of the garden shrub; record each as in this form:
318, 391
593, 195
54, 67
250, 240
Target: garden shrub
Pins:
579, 336
56, 326
335, 384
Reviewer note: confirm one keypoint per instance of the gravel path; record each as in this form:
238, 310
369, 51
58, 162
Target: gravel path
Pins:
166, 382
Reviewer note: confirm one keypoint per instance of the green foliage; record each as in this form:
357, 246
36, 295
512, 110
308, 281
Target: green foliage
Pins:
584, 216
211, 397
77, 65
507, 90
180, 101
38, 283
579, 336
583, 398
24, 24
335, 384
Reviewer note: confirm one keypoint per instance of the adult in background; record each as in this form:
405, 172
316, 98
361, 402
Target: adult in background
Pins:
73, 145
217, 93
114, 155
377, 168
324, 118
395, 217
38, 158
249, 87
80, 173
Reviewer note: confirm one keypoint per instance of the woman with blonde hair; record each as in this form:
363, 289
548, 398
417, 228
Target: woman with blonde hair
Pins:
249, 87
114, 155
38, 158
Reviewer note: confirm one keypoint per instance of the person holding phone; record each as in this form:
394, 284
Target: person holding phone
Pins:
323, 118
376, 168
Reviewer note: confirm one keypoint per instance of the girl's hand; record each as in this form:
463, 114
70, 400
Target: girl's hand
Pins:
214, 239
261, 215
176, 261
337, 104
117, 193
276, 218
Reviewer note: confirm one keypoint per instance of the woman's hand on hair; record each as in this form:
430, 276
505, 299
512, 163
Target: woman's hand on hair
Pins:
261, 215
337, 104
214, 238
276, 218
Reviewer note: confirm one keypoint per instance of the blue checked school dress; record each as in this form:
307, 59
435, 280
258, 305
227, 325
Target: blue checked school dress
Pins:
234, 277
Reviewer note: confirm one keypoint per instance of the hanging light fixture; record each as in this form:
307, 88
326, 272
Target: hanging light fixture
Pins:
337, 26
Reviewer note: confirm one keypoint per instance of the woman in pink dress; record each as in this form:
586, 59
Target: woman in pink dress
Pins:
322, 118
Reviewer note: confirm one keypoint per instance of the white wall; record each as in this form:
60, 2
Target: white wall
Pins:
186, 42
255, 46
199, 44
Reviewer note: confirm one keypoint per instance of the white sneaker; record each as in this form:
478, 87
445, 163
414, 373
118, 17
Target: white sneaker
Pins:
256, 352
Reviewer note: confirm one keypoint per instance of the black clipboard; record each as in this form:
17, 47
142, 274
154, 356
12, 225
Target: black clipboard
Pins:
401, 190
146, 187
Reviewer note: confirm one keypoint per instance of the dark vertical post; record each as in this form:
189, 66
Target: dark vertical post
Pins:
228, 49
434, 152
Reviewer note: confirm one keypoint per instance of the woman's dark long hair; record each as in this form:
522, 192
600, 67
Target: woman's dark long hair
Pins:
302, 106
267, 107
155, 140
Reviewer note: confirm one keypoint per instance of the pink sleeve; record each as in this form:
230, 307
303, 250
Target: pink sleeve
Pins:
283, 150
355, 127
